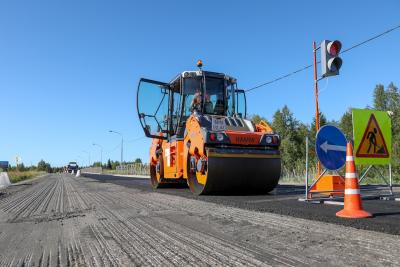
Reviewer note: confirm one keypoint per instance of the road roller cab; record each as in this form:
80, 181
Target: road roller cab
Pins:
201, 135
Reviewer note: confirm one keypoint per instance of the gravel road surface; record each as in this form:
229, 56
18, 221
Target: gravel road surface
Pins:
60, 220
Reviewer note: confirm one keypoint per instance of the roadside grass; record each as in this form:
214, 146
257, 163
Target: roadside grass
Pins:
18, 176
125, 172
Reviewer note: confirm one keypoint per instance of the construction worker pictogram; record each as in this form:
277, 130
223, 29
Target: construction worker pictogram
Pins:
373, 143
352, 198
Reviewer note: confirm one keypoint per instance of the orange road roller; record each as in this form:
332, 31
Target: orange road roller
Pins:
201, 136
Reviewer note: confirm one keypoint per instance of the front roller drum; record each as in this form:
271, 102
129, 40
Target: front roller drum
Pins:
234, 175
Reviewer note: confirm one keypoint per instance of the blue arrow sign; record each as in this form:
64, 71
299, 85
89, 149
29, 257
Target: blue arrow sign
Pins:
330, 146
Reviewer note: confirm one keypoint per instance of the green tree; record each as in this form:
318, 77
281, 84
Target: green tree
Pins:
392, 98
393, 105
389, 100
346, 124
313, 130
42, 165
292, 139
114, 164
138, 160
109, 165
96, 164
380, 98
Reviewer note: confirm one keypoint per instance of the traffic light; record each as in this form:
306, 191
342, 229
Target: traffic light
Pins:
330, 60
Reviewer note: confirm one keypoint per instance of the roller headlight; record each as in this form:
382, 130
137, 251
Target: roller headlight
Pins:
268, 139
212, 136
220, 137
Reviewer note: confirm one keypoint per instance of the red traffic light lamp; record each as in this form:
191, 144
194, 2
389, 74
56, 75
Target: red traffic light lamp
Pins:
330, 60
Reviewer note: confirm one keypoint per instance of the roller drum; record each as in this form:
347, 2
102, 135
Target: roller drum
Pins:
229, 173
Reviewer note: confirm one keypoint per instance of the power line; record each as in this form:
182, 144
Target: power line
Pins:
279, 78
309, 66
370, 39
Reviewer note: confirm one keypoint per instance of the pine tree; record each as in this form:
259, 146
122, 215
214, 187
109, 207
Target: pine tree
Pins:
380, 98
292, 143
346, 124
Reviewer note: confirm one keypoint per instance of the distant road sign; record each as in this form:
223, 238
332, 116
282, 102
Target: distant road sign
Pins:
3, 164
330, 147
372, 136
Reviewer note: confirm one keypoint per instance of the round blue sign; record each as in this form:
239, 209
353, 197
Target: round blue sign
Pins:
330, 146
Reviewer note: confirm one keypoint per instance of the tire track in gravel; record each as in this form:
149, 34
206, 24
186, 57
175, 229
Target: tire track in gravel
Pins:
201, 240
158, 206
150, 248
162, 202
151, 241
127, 199
24, 200
286, 224
46, 201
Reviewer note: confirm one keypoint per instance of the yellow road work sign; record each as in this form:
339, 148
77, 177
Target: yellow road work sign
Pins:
372, 136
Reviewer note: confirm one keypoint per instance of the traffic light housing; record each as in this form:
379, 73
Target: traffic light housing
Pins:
330, 60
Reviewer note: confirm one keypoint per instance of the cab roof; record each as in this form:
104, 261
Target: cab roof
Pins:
194, 73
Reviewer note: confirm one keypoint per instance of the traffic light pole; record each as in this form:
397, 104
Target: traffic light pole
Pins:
316, 100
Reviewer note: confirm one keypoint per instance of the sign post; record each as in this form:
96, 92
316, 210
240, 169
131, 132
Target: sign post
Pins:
4, 165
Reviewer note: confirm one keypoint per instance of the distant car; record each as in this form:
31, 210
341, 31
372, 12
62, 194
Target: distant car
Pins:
72, 167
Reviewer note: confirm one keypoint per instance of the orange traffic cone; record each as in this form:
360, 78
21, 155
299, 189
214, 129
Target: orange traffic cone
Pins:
352, 199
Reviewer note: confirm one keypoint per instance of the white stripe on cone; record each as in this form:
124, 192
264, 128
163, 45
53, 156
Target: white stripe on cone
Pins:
351, 175
352, 191
349, 158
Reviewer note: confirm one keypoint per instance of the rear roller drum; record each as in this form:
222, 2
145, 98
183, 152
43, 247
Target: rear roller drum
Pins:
233, 175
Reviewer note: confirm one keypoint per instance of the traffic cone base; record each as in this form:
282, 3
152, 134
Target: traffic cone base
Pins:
355, 214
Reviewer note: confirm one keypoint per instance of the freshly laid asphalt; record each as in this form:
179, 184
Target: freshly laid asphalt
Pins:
284, 200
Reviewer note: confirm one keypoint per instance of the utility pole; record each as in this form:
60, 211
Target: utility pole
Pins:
122, 145
316, 100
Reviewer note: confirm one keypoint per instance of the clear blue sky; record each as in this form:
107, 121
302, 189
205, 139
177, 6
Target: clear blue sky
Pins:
69, 69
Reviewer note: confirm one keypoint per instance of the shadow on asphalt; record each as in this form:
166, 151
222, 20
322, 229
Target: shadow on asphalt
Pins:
385, 214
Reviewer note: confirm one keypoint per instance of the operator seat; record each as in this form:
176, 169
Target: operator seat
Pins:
219, 107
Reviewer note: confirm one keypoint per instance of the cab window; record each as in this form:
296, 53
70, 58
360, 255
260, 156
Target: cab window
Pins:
192, 87
214, 101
